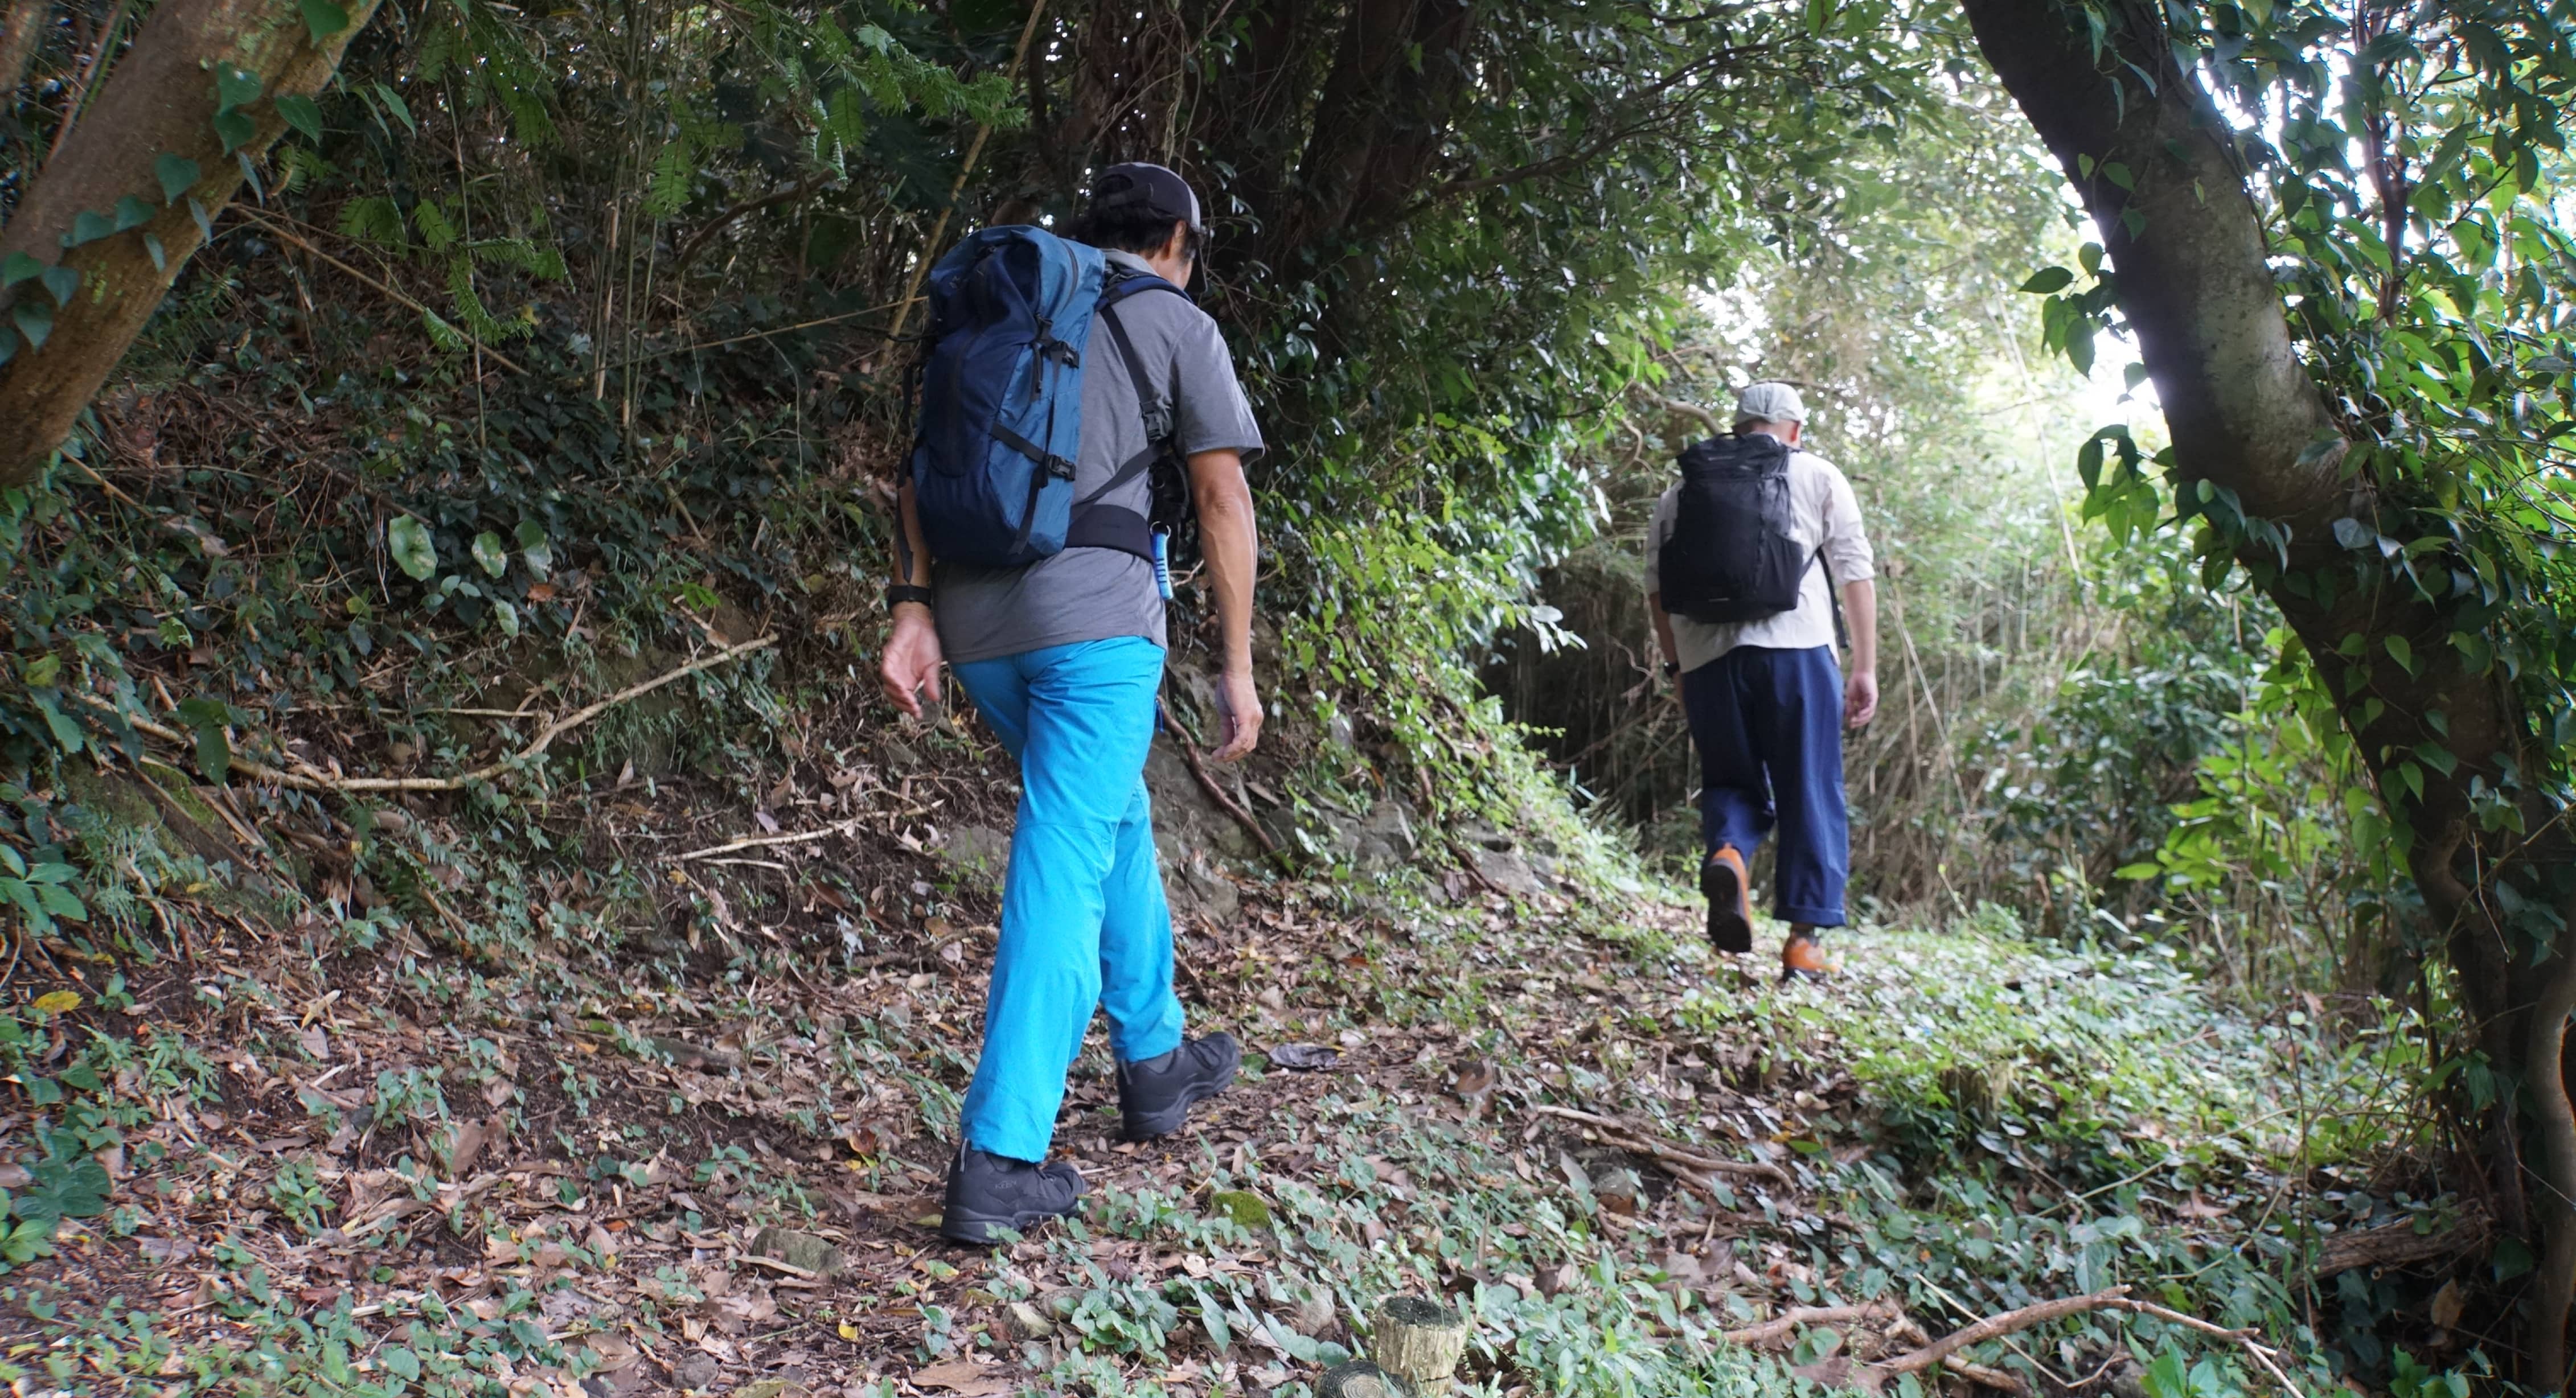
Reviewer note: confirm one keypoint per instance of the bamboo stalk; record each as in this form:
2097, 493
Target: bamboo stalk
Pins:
957, 190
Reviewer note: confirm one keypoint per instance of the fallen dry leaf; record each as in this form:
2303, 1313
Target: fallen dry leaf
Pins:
964, 1378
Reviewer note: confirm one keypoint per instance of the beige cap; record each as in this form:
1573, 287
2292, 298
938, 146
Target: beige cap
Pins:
1770, 402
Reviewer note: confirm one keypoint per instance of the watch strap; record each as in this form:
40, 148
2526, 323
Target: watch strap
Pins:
900, 593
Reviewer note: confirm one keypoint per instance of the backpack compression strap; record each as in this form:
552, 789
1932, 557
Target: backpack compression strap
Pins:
1100, 526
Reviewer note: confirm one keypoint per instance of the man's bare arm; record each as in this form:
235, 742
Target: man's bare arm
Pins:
1664, 629
1860, 688
1232, 548
912, 658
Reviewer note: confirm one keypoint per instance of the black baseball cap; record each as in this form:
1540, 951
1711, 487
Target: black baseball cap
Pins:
1149, 189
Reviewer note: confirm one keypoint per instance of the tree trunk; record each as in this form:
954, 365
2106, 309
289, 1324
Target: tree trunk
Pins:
22, 27
2188, 247
159, 99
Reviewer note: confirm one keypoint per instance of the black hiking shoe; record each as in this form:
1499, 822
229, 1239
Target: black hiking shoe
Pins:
1730, 901
988, 1193
1154, 1095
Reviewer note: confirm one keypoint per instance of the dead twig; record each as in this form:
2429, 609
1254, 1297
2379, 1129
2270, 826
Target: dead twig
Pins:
1627, 1137
767, 841
279, 230
2260, 1353
307, 777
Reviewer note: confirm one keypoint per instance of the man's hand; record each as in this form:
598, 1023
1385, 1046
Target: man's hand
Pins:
1238, 702
912, 658
1860, 698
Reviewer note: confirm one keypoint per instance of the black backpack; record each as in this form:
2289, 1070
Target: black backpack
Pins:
1731, 556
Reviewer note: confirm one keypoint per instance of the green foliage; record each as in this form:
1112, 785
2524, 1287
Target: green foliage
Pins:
2426, 285
40, 893
67, 1183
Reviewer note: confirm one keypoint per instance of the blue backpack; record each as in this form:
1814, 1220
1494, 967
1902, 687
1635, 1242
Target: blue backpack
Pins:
1011, 311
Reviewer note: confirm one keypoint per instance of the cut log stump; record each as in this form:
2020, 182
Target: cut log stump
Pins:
1357, 1379
1419, 1342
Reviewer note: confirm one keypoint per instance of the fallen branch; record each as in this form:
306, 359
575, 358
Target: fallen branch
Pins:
1996, 1326
307, 777
1627, 1137
1944, 1351
2399, 1245
1781, 1325
1985, 1377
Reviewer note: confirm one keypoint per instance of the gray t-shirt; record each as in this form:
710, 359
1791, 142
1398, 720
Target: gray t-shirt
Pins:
1093, 594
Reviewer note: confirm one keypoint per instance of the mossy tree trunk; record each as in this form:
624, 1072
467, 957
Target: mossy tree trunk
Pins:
2189, 249
157, 106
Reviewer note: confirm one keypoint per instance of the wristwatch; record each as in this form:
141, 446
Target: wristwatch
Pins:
900, 593
1672, 668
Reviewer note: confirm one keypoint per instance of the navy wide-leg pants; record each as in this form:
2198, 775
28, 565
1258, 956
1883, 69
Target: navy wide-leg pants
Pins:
1769, 728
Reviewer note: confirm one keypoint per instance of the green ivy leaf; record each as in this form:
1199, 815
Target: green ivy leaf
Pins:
507, 615
235, 87
400, 1362
30, 1239
323, 19
132, 213
177, 174
534, 548
8, 344
66, 1186
20, 267
2401, 652
63, 282
214, 755
42, 672
2048, 279
88, 226
235, 129
490, 554
35, 320
205, 221
414, 552
160, 255
302, 114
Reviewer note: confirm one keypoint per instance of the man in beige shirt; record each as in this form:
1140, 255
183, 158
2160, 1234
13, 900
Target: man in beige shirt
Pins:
1754, 652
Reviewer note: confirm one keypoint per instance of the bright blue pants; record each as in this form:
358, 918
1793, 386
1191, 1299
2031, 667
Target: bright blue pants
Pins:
1769, 728
1083, 917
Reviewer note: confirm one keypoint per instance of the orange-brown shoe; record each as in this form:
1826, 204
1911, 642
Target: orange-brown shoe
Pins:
1802, 959
1730, 900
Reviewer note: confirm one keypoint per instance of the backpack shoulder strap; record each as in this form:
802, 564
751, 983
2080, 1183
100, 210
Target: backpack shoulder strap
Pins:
1096, 525
1123, 283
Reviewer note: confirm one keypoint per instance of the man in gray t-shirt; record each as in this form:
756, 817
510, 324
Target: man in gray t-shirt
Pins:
1064, 658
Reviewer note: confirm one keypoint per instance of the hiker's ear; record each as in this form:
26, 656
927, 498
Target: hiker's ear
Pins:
1177, 246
